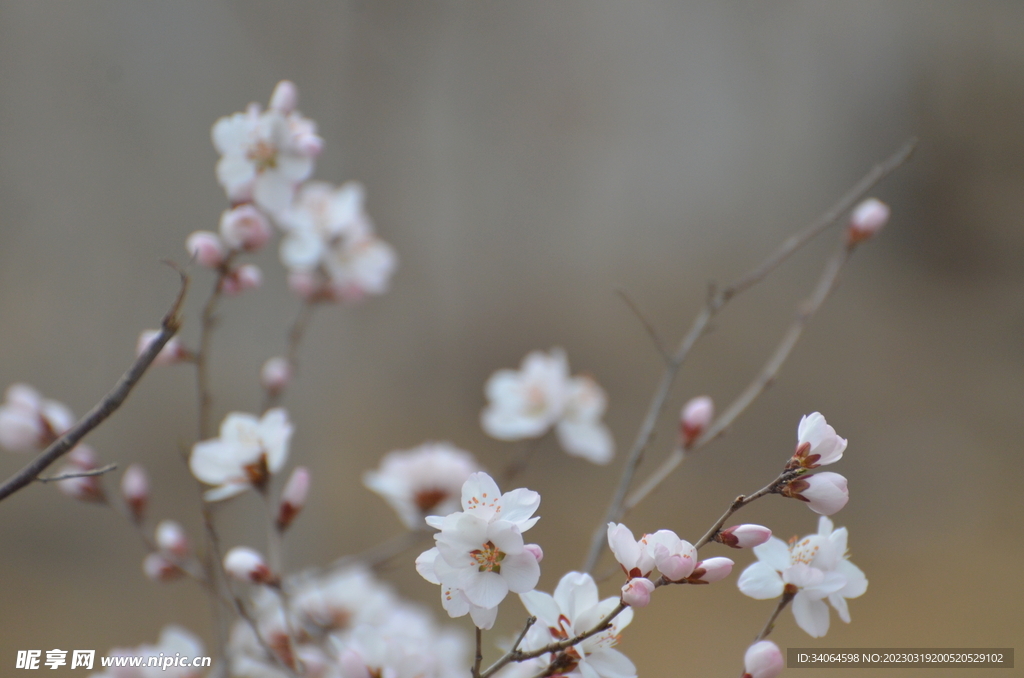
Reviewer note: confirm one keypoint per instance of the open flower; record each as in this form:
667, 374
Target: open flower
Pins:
573, 609
814, 568
245, 455
817, 443
528, 402
480, 555
426, 480
264, 155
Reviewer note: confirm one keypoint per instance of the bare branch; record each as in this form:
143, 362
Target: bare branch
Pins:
659, 345
105, 407
80, 474
716, 301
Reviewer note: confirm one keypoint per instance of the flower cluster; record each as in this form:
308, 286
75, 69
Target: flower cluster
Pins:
812, 569
175, 642
817, 445
541, 394
480, 555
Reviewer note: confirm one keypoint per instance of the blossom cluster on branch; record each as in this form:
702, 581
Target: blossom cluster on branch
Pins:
341, 621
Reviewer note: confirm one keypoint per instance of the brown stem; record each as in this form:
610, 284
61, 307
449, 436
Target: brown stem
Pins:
105, 407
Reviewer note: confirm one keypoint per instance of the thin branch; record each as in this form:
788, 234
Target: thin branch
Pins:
207, 322
770, 624
379, 554
296, 333
824, 287
659, 345
105, 407
743, 500
80, 474
716, 301
479, 652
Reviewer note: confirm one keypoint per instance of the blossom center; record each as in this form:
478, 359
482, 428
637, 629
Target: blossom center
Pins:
488, 558
263, 154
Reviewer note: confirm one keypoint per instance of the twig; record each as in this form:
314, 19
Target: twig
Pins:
716, 301
80, 474
105, 407
296, 333
381, 553
522, 459
824, 287
770, 624
479, 652
207, 322
659, 345
741, 501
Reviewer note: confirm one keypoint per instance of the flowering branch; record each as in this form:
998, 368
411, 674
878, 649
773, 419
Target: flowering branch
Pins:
716, 301
105, 407
826, 284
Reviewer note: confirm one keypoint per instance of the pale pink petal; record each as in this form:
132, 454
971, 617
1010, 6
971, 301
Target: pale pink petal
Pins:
761, 582
811, 615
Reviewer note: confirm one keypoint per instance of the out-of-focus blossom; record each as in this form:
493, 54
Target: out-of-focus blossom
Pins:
246, 564
817, 443
172, 353
81, 459
763, 659
825, 493
175, 643
159, 568
293, 497
426, 480
573, 609
265, 154
171, 539
207, 248
694, 419
867, 219
245, 455
330, 247
135, 490
275, 375
526, 403
813, 568
244, 228
245, 277
30, 422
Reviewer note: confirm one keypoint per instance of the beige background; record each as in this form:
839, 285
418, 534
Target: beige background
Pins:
526, 159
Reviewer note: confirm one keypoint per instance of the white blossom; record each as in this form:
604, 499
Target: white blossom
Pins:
174, 641
247, 452
30, 422
528, 402
817, 443
426, 480
573, 609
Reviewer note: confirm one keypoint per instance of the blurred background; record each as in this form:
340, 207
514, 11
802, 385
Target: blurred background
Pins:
526, 160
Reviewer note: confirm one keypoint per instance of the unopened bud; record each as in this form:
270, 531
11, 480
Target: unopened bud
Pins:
245, 228
293, 498
206, 247
694, 419
711, 570
285, 97
305, 285
744, 536
245, 277
763, 659
82, 488
825, 493
245, 564
637, 592
535, 550
159, 569
135, 490
172, 540
172, 352
275, 375
867, 219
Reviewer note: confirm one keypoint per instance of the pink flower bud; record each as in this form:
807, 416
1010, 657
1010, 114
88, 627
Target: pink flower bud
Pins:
245, 228
245, 564
534, 549
637, 592
825, 493
206, 247
172, 540
762, 660
867, 219
275, 375
172, 352
711, 570
285, 97
246, 277
293, 498
744, 536
21, 430
135, 490
159, 569
694, 419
